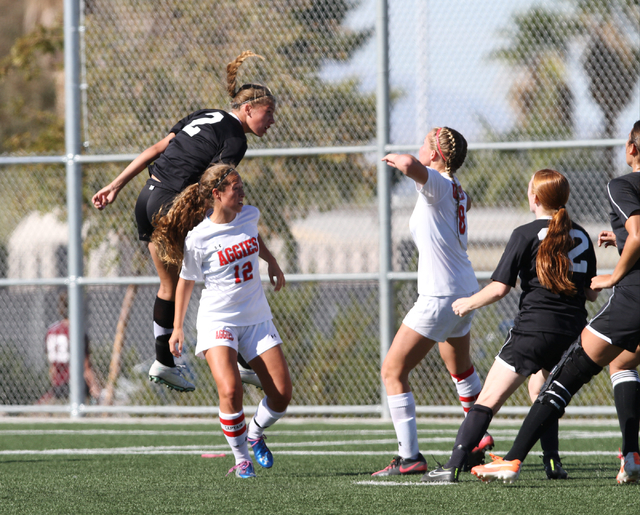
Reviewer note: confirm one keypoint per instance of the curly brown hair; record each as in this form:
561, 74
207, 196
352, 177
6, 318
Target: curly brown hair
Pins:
256, 94
553, 265
188, 210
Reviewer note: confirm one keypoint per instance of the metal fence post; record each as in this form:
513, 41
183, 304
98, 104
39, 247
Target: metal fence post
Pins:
384, 189
74, 203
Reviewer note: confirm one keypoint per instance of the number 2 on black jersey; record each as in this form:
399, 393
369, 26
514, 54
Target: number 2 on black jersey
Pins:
192, 129
579, 267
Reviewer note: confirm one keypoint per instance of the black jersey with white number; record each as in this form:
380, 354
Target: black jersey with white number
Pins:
205, 137
624, 198
540, 309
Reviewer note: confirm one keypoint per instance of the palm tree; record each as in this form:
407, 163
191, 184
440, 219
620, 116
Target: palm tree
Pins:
611, 61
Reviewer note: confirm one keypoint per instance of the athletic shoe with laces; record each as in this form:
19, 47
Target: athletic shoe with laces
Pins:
441, 475
629, 468
553, 468
508, 471
477, 455
243, 470
261, 451
400, 466
248, 376
171, 377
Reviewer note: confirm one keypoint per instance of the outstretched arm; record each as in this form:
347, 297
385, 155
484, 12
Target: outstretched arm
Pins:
409, 166
108, 194
183, 294
276, 276
491, 293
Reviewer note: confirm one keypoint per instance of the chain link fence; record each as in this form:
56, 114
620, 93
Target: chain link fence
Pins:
530, 84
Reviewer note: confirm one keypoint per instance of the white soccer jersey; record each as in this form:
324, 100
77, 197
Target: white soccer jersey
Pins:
226, 257
441, 237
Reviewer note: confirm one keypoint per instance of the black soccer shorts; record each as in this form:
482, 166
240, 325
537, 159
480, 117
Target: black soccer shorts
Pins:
152, 200
618, 322
527, 352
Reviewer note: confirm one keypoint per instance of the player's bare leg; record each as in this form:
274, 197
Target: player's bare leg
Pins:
273, 371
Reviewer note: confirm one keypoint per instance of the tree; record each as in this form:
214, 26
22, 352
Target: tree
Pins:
611, 61
148, 65
537, 47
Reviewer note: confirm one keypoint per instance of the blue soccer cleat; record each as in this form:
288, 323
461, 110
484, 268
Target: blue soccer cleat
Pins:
261, 451
243, 470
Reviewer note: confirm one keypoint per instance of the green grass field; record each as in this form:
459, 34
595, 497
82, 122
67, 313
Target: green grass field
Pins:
321, 467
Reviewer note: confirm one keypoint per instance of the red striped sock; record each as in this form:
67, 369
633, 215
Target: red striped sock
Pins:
235, 431
468, 386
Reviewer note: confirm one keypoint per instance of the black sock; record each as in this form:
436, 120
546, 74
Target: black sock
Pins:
471, 431
163, 352
549, 440
540, 415
627, 397
575, 370
163, 314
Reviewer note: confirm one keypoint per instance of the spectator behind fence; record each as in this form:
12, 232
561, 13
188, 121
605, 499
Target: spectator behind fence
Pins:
58, 349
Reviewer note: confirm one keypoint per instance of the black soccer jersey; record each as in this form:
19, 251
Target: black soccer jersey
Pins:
540, 309
205, 137
624, 198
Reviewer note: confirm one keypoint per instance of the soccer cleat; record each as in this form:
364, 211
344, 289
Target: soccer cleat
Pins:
261, 451
248, 376
629, 468
243, 470
553, 468
477, 455
441, 475
508, 471
171, 377
403, 466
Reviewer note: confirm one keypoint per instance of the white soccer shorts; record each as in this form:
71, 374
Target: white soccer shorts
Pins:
433, 318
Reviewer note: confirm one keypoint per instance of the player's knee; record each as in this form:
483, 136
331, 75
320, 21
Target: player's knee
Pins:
229, 392
283, 398
389, 373
576, 370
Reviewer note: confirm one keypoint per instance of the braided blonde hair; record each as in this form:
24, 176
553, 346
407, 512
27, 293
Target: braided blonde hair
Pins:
452, 148
256, 94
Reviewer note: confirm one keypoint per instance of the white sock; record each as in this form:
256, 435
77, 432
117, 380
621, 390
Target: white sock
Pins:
262, 419
235, 431
158, 330
403, 415
469, 386
623, 376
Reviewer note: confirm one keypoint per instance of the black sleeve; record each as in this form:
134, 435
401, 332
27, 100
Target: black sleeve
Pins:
184, 122
233, 150
624, 198
511, 261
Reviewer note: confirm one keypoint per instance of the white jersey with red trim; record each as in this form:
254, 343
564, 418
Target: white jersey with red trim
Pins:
439, 229
226, 257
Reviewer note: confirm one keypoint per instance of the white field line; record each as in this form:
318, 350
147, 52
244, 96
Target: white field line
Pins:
569, 434
398, 483
177, 450
285, 448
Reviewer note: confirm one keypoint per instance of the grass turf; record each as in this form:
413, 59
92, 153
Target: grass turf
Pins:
320, 468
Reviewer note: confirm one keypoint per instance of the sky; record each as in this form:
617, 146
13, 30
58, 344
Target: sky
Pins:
440, 63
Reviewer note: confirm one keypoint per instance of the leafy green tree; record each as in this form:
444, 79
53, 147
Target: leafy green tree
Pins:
611, 61
537, 47
150, 65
